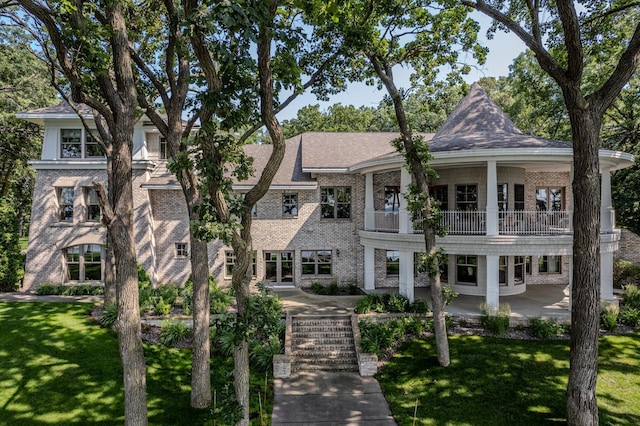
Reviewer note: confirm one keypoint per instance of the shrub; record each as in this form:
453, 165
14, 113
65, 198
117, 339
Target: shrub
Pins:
629, 316
397, 303
174, 331
143, 278
545, 329
631, 296
495, 320
420, 306
109, 315
69, 290
161, 307
609, 316
417, 326
333, 289
625, 273
261, 352
449, 294
353, 289
376, 337
370, 303
328, 290
10, 259
317, 288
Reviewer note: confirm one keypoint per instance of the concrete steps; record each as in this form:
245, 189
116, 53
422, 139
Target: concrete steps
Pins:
322, 344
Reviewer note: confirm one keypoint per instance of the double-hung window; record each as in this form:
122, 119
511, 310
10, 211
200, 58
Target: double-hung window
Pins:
230, 261
518, 196
94, 214
503, 204
467, 197
549, 199
316, 262
78, 143
549, 264
335, 202
65, 204
83, 262
467, 270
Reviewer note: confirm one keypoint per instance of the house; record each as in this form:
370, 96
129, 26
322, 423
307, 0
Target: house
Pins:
335, 210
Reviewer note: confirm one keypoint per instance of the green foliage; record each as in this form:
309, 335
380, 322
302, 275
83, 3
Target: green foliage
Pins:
327, 290
144, 281
160, 307
225, 409
495, 320
109, 315
378, 337
10, 259
631, 296
69, 290
398, 303
174, 331
370, 303
625, 273
220, 299
449, 294
545, 328
420, 306
629, 316
609, 316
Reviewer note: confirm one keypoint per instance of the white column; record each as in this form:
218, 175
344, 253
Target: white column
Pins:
606, 207
369, 219
493, 278
369, 268
492, 198
406, 279
404, 221
606, 275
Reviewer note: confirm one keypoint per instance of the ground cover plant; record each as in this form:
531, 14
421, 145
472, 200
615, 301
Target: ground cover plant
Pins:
497, 381
59, 367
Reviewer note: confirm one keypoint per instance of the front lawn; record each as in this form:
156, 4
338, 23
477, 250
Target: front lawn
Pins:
58, 367
494, 381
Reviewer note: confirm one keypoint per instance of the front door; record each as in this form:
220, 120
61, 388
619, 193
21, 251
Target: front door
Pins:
278, 266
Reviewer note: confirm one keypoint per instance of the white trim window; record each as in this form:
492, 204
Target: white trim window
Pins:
518, 269
467, 270
316, 262
393, 263
78, 144
550, 264
94, 212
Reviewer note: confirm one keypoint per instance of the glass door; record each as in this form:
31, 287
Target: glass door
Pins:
278, 266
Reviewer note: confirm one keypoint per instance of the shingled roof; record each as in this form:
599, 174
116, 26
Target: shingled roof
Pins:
478, 123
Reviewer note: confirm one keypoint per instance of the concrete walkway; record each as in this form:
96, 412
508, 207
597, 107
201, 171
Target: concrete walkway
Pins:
19, 296
327, 398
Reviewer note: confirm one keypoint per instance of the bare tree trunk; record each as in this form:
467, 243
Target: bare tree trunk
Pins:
582, 406
109, 273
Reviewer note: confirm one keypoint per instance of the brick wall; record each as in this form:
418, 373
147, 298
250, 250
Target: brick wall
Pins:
628, 247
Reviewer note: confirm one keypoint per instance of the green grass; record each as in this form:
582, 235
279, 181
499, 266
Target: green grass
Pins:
59, 367
493, 381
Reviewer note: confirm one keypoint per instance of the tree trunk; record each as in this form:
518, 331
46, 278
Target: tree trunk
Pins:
582, 407
201, 358
109, 273
420, 180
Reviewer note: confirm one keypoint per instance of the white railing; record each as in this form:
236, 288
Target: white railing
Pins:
474, 222
523, 222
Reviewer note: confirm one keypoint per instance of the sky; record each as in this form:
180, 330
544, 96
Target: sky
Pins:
503, 48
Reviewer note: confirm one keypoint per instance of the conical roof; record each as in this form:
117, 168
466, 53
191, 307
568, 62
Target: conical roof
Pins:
478, 123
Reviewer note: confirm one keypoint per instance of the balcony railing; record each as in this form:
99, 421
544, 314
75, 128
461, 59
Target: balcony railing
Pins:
462, 222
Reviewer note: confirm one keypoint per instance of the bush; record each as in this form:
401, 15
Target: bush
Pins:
109, 315
609, 317
631, 296
69, 290
328, 290
377, 337
545, 329
173, 332
370, 303
143, 278
161, 307
629, 316
397, 303
353, 290
495, 320
10, 258
625, 273
420, 306
417, 326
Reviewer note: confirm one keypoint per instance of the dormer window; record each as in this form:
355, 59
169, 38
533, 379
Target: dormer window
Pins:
77, 143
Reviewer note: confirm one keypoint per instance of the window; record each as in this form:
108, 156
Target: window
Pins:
163, 149
549, 264
335, 202
549, 199
518, 269
440, 193
503, 266
278, 266
290, 205
393, 263
65, 202
94, 213
83, 262
316, 262
92, 147
467, 197
518, 196
527, 265
391, 198
182, 250
503, 204
230, 261
71, 143
467, 270
254, 208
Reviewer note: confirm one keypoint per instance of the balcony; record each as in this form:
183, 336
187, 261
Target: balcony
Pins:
459, 222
